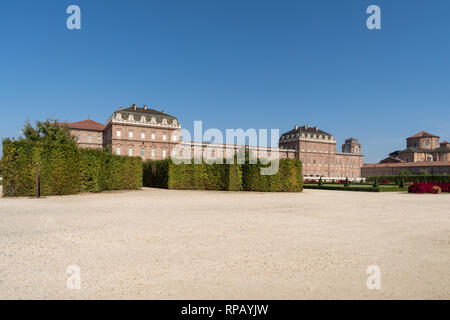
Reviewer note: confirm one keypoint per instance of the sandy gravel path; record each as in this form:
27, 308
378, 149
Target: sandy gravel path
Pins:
161, 244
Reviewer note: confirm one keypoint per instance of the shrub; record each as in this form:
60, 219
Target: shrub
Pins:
65, 169
412, 178
376, 184
429, 187
320, 182
232, 177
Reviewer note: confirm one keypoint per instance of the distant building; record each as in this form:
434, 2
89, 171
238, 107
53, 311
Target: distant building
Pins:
317, 151
423, 152
151, 134
88, 133
142, 132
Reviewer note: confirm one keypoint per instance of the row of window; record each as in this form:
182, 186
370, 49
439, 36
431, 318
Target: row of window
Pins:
351, 163
153, 152
99, 138
153, 136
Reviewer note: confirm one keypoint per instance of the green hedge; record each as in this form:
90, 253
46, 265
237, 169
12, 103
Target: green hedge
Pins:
411, 178
342, 188
231, 177
65, 169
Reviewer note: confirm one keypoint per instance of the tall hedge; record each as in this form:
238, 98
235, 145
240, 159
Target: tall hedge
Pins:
65, 169
231, 177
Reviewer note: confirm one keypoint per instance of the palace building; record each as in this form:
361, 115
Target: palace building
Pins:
152, 134
317, 151
423, 152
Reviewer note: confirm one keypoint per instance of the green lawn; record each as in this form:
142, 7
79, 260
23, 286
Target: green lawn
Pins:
355, 187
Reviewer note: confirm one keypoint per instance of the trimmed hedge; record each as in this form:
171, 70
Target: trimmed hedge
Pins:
65, 169
230, 177
342, 188
412, 178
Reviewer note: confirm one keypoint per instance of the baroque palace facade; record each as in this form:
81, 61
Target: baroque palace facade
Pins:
152, 134
423, 152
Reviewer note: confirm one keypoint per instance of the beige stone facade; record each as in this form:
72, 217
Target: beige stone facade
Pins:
423, 152
88, 133
317, 151
152, 134
142, 132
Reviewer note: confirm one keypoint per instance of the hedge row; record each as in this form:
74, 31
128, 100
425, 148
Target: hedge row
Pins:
65, 169
231, 177
342, 188
412, 178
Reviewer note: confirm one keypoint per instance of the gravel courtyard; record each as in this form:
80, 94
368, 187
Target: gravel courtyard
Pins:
161, 244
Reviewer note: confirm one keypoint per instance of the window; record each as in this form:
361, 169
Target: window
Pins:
118, 151
174, 138
164, 153
78, 138
142, 135
164, 137
89, 138
153, 136
130, 152
143, 152
118, 133
99, 138
174, 153
130, 134
153, 153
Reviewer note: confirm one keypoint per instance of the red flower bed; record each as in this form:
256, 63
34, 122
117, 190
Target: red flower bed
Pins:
311, 181
343, 181
427, 187
384, 182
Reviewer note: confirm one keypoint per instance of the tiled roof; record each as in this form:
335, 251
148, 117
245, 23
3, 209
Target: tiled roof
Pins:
307, 129
423, 134
445, 142
86, 125
147, 111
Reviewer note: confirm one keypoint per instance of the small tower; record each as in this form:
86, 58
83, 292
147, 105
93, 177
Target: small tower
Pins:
351, 145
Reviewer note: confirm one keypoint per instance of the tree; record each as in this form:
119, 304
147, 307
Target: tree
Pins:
402, 182
48, 131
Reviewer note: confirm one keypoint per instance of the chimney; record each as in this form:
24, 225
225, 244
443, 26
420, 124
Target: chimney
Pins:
163, 111
307, 127
315, 128
134, 106
296, 127
121, 108
145, 107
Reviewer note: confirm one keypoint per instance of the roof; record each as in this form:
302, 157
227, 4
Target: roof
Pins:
146, 111
423, 134
408, 164
86, 125
391, 160
445, 142
307, 129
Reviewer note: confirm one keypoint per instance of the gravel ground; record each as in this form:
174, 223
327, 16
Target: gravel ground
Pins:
161, 244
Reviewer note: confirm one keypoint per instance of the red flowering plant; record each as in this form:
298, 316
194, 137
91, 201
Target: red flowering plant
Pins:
429, 187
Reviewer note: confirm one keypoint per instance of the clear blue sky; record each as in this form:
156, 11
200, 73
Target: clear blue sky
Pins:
233, 64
